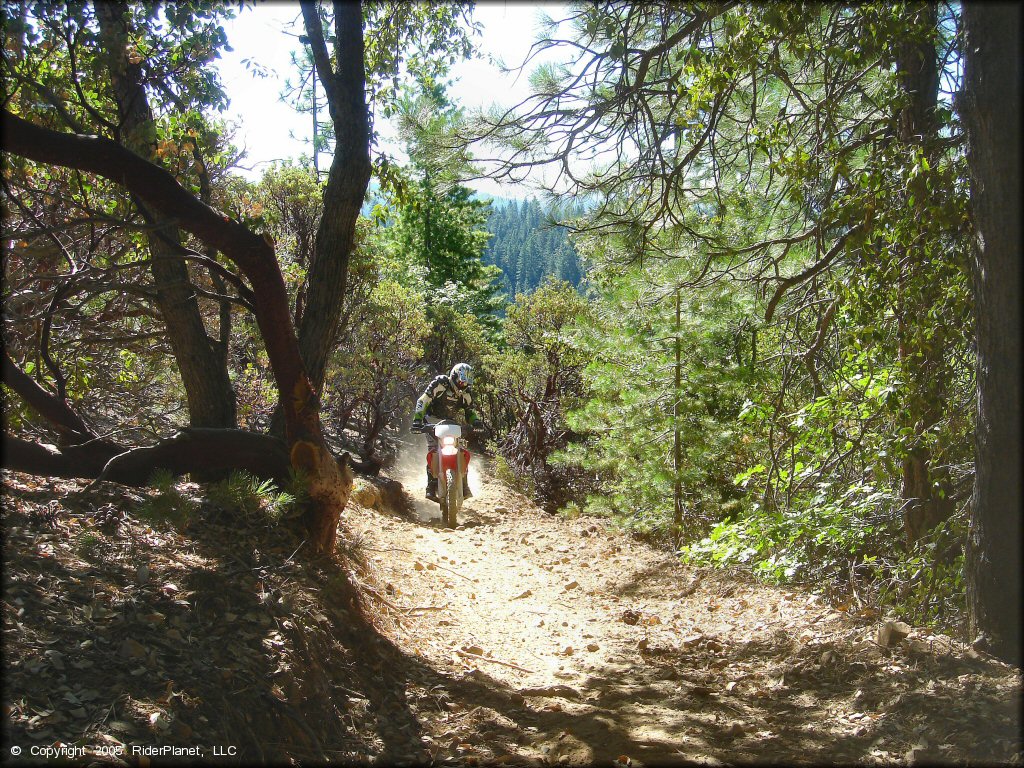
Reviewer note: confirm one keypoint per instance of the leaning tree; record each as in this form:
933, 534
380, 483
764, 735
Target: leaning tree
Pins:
105, 106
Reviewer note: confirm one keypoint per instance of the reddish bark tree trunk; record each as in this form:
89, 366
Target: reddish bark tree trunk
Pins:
329, 483
349, 175
345, 85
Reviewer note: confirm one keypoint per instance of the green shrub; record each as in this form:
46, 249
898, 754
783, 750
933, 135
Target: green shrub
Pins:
87, 544
254, 499
813, 540
169, 506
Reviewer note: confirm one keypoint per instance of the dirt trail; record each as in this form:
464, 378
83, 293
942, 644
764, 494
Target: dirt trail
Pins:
518, 639
596, 648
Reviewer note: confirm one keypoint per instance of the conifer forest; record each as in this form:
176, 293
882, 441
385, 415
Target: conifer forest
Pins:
743, 320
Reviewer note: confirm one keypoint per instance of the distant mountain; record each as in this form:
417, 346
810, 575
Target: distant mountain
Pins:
527, 245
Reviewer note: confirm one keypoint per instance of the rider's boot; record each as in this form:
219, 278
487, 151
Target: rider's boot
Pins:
466, 493
431, 487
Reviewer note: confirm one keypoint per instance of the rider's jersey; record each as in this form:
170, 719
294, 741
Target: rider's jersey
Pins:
441, 399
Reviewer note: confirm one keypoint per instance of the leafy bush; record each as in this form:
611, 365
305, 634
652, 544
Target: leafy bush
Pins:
812, 540
927, 584
843, 543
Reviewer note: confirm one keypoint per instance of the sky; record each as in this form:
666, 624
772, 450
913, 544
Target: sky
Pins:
268, 34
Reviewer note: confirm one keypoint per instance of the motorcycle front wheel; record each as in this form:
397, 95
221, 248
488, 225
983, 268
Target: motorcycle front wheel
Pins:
451, 501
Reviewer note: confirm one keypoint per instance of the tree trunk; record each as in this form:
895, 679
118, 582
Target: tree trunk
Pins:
917, 65
677, 437
991, 108
69, 425
329, 483
347, 180
204, 374
188, 452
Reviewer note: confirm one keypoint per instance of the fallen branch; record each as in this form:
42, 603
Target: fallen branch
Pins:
426, 608
428, 562
478, 657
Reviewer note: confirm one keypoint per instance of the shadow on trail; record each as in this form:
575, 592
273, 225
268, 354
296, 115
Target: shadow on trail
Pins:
668, 710
771, 700
303, 676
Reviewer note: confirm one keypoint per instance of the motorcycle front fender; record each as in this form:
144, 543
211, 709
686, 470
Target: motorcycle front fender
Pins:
450, 460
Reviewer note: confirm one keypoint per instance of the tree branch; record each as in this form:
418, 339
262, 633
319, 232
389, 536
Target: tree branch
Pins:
55, 410
811, 271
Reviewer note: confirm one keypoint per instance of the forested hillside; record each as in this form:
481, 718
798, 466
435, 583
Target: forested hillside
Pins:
742, 434
528, 244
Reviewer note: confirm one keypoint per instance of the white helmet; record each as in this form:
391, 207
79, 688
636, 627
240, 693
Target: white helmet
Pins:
462, 375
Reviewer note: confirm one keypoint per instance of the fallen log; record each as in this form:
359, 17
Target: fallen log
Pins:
202, 453
84, 461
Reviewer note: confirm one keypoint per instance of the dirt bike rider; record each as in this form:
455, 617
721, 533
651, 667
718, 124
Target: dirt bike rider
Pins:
439, 400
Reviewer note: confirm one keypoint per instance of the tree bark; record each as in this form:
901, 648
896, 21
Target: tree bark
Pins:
677, 437
991, 108
347, 180
188, 452
329, 483
69, 425
204, 373
917, 65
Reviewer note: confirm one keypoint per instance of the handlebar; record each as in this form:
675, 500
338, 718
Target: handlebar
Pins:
427, 427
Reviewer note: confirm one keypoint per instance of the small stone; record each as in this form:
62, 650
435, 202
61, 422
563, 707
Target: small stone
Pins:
891, 632
56, 659
735, 730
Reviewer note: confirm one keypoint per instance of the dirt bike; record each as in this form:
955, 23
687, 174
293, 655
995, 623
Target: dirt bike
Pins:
449, 464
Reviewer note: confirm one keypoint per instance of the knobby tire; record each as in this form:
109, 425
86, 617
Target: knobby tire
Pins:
452, 499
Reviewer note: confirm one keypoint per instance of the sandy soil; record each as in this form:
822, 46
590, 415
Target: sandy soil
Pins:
554, 641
